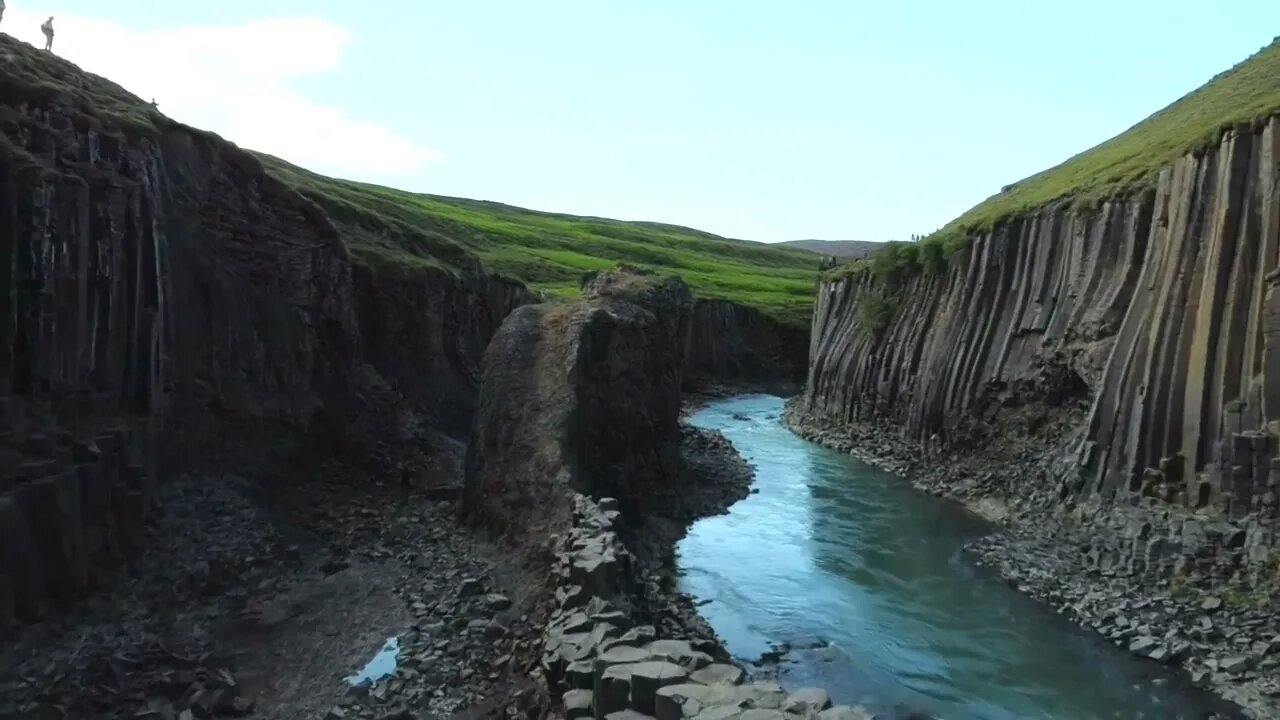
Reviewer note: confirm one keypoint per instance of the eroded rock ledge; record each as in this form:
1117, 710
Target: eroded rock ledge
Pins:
575, 460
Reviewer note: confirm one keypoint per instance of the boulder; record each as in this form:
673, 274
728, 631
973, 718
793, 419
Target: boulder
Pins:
845, 712
648, 677
679, 652
718, 674
577, 704
802, 701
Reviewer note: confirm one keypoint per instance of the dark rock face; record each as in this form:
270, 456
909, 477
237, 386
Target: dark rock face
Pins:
151, 284
579, 397
166, 303
729, 342
426, 330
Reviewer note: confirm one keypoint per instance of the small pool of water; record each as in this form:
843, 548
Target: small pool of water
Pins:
382, 664
830, 551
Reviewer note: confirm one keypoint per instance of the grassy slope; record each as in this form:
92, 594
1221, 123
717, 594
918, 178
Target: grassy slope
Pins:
552, 252
1247, 93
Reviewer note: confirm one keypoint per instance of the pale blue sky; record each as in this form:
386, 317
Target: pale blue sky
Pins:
761, 120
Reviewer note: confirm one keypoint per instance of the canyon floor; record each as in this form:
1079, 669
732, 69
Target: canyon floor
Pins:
257, 604
262, 604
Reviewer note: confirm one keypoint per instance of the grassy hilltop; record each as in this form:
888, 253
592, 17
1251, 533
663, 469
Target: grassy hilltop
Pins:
551, 252
1245, 94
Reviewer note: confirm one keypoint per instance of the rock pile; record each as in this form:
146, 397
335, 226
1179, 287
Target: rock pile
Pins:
602, 665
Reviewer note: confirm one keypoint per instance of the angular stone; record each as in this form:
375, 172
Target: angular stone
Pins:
470, 587
580, 675
1143, 645
577, 704
1211, 603
718, 674
719, 712
675, 702
612, 690
845, 712
648, 677
628, 715
762, 714
766, 694
802, 701
638, 636
679, 652
1234, 664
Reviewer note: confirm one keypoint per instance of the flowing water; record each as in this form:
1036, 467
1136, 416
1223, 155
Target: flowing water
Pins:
867, 573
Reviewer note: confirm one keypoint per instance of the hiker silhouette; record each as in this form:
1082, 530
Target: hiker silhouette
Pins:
47, 29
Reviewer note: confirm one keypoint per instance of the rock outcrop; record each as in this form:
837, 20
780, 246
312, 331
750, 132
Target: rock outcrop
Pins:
579, 397
574, 449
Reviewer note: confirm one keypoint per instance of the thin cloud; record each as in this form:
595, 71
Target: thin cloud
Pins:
235, 81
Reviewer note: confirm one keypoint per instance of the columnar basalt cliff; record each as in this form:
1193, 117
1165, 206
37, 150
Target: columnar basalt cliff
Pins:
1108, 375
580, 397
1154, 309
165, 302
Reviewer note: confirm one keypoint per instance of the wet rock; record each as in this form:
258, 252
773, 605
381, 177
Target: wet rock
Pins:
762, 714
845, 712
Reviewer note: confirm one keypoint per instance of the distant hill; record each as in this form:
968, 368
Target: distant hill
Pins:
550, 252
839, 248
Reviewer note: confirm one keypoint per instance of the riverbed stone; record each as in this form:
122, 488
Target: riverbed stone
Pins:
718, 674
719, 712
675, 702
577, 704
845, 712
636, 636
648, 677
580, 674
613, 690
802, 701
679, 652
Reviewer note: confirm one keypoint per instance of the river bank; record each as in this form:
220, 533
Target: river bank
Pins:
1084, 561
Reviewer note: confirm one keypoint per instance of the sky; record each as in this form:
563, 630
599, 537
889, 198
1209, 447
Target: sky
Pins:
770, 121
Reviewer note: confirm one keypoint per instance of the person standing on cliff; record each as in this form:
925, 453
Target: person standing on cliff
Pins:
47, 29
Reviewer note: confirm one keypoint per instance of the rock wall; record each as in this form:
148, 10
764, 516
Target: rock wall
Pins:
733, 343
426, 329
166, 303
580, 397
1154, 310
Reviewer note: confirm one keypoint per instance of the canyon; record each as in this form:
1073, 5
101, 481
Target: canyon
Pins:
249, 429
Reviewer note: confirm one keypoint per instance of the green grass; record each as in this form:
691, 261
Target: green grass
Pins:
552, 252
1246, 94
46, 79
